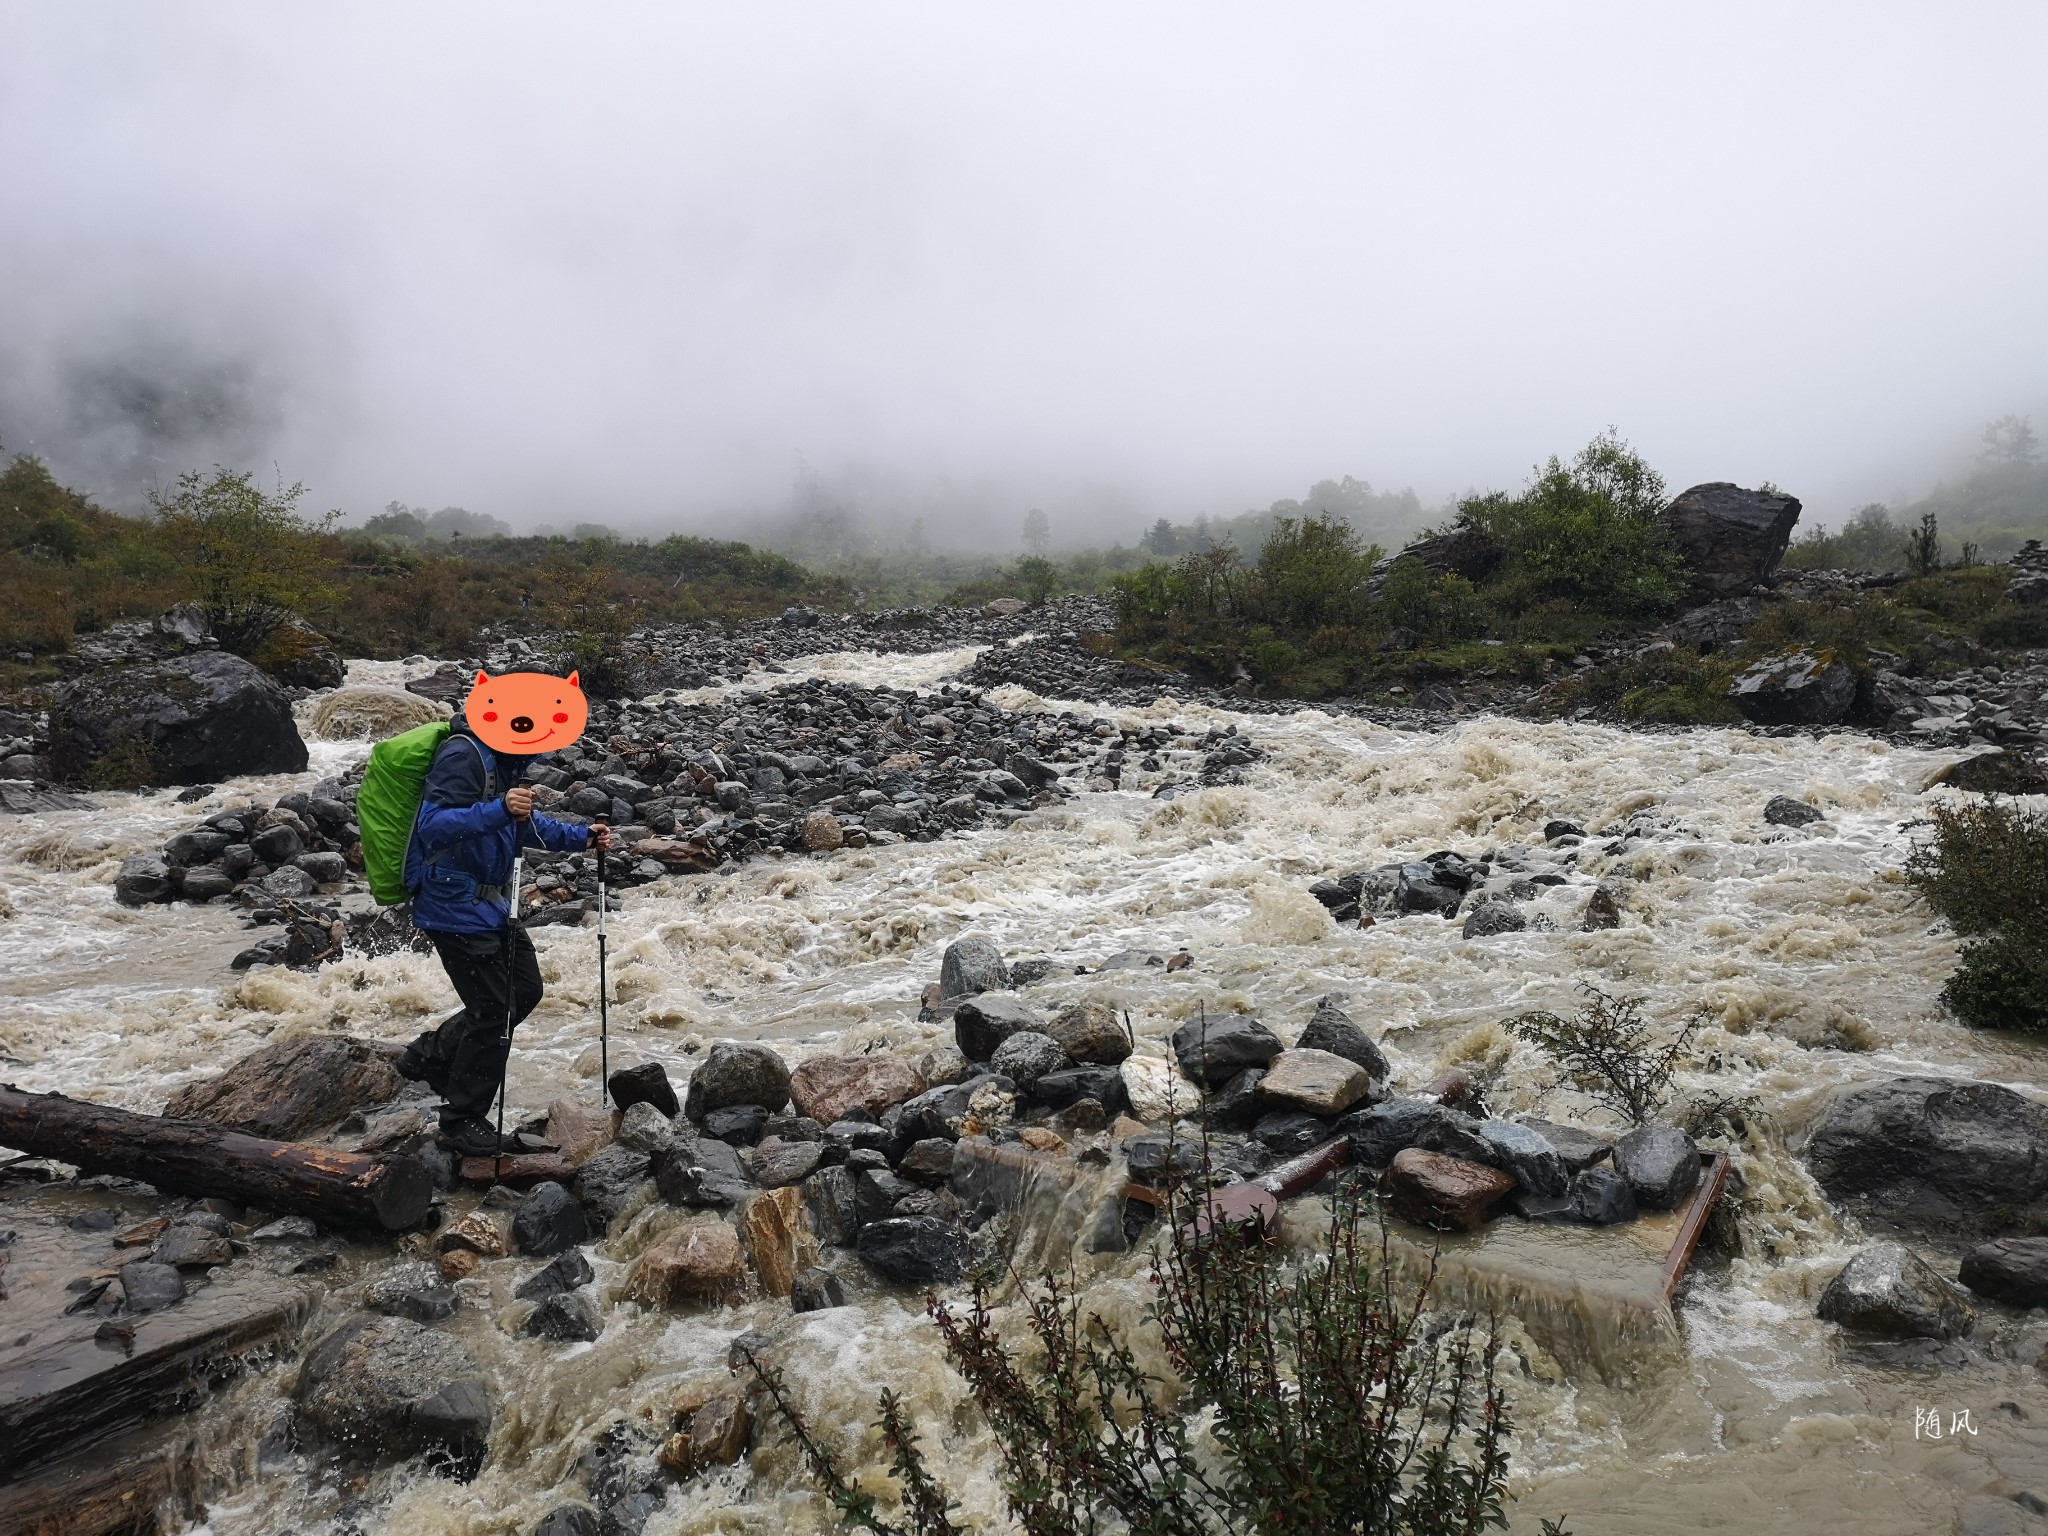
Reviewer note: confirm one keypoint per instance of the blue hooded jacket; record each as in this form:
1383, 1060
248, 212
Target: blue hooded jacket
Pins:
459, 863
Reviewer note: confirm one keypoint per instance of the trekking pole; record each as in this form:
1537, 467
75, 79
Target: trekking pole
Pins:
604, 1027
511, 991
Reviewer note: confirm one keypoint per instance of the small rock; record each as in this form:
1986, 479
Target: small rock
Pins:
701, 1172
970, 965
737, 1125
1447, 1193
1795, 687
1661, 1164
2013, 1270
192, 1247
737, 1072
644, 1128
142, 880
1330, 1029
579, 1131
876, 1194
1553, 830
914, 1250
1493, 917
548, 1221
1602, 911
1521, 1152
942, 1066
1290, 1132
645, 1084
415, 1291
822, 832
815, 1290
1886, 1290
613, 1184
1316, 1081
984, 1022
485, 1233
566, 1273
459, 1264
829, 1199
927, 1162
775, 1162
1602, 1197
565, 1316
286, 1229
1026, 1056
1237, 1105
1154, 1090
699, 1261
1090, 1032
150, 1287
1213, 1051
1784, 811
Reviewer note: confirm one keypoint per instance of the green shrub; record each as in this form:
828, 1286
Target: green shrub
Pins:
253, 561
1585, 531
1438, 610
1985, 870
1340, 1402
1272, 659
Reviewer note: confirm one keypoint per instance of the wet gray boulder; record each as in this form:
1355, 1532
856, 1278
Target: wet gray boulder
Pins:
736, 1072
1601, 1197
1380, 1132
829, 1200
1576, 1149
702, 1173
386, 1387
1784, 811
1213, 1051
294, 1087
1090, 1033
611, 1183
981, 1024
1886, 1290
1730, 538
776, 1162
1331, 1029
550, 1220
914, 1250
970, 965
142, 880
1933, 1156
644, 1128
1661, 1164
1420, 888
2013, 1270
196, 718
569, 1271
1027, 1056
1061, 1090
1290, 1132
565, 1316
875, 1193
415, 1291
737, 1125
1795, 687
568, 1520
646, 1083
1520, 1151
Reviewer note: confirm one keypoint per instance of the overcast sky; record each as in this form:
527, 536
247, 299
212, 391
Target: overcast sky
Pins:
628, 262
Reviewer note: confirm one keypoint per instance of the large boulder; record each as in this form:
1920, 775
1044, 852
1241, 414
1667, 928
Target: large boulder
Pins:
1795, 687
1468, 552
1886, 1290
1378, 1134
1331, 1029
1731, 538
286, 1090
191, 719
1661, 1164
1933, 1155
701, 1261
982, 1023
914, 1250
385, 1386
299, 656
1448, 1193
1317, 1082
826, 1087
1090, 1033
738, 1073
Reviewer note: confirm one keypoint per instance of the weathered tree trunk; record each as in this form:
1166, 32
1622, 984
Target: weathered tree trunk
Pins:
186, 1157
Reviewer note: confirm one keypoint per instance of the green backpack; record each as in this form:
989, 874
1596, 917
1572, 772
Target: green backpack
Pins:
388, 804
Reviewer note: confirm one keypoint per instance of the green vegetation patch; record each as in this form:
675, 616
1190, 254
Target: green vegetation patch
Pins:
1985, 870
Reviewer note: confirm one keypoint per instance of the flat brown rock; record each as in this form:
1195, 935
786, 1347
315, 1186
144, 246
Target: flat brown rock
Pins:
1448, 1193
1320, 1082
521, 1170
826, 1087
775, 1229
293, 1087
578, 1129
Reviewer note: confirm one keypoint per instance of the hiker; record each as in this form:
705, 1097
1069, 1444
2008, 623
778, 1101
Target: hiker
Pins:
473, 817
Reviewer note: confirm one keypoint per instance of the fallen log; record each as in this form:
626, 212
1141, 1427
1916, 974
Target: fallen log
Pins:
189, 1157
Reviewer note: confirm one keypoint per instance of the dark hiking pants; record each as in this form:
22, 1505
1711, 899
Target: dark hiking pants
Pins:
464, 1059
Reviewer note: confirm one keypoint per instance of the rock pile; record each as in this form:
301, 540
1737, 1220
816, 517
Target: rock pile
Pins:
257, 853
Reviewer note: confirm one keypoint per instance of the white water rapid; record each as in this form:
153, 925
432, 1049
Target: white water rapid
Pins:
1816, 965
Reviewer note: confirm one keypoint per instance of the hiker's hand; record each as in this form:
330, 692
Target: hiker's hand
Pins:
519, 802
600, 836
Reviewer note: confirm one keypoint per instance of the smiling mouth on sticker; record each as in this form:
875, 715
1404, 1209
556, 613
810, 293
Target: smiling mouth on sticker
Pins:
529, 740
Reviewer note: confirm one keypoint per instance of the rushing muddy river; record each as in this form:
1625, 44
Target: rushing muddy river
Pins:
1739, 1411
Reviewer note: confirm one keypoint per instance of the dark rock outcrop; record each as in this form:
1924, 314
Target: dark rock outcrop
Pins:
2013, 1270
385, 1386
190, 719
1886, 1290
286, 1090
1795, 687
1213, 1051
1730, 538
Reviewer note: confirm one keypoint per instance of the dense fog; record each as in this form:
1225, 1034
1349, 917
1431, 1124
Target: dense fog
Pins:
703, 267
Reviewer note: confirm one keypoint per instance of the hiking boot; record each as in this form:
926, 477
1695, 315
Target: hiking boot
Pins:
469, 1137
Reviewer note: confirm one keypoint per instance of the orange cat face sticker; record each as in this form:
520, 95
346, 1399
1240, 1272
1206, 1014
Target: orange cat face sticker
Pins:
526, 712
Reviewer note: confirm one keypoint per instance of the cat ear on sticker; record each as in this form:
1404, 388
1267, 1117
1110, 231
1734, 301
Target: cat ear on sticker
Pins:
526, 713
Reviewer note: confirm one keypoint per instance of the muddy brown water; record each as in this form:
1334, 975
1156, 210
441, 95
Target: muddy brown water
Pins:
1738, 1411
